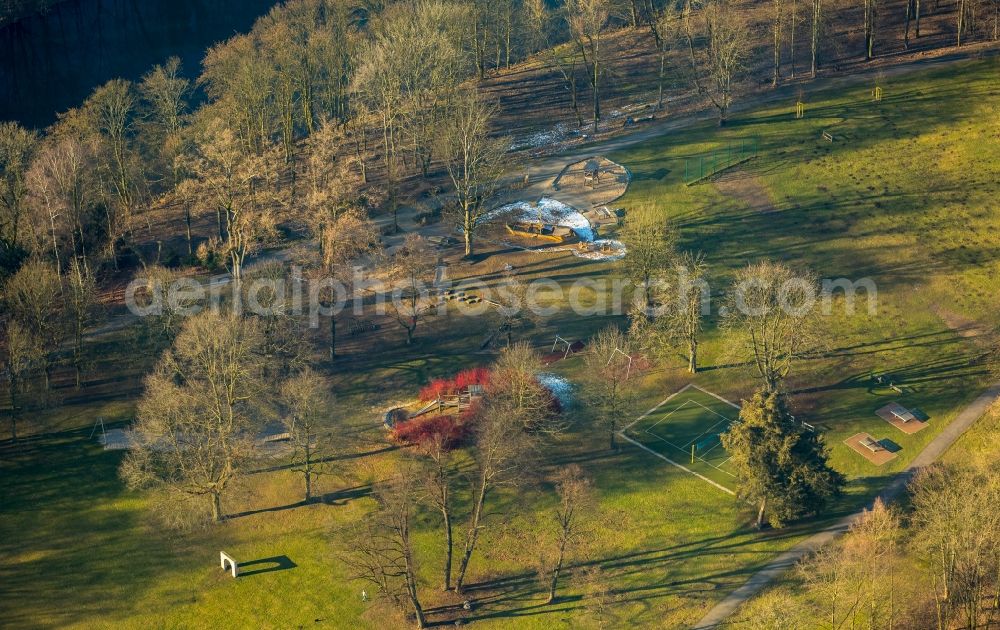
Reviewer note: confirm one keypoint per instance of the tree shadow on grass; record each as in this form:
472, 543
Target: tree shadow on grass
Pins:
521, 594
266, 565
328, 459
338, 497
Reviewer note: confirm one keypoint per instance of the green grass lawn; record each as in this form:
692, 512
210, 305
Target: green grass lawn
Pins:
906, 195
685, 429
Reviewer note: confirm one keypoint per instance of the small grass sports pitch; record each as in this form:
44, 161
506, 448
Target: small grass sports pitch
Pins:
684, 430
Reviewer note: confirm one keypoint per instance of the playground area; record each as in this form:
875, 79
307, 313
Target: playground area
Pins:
592, 182
551, 226
685, 431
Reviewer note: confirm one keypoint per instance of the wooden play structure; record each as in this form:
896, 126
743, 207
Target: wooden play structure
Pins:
543, 231
460, 402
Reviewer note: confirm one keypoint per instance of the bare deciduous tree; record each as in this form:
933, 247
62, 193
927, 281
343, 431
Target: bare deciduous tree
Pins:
439, 478
16, 147
771, 318
163, 316
344, 242
501, 448
576, 506
409, 270
693, 298
513, 419
112, 112
332, 183
196, 420
650, 244
165, 107
777, 18
22, 352
62, 189
815, 36
870, 11
727, 37
958, 529
238, 79
772, 610
240, 186
34, 297
476, 162
511, 308
587, 20
664, 25
307, 399
382, 550
566, 61
682, 300
81, 300
609, 387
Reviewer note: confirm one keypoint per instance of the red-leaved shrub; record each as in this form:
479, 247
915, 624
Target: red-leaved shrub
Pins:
434, 390
426, 430
473, 376
449, 387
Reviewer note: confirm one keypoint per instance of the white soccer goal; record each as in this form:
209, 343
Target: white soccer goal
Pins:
628, 367
560, 340
104, 433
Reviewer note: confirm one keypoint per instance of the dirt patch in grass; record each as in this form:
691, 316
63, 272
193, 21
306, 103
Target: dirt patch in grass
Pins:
963, 326
745, 186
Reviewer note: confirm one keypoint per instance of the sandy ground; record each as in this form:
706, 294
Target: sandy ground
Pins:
876, 457
909, 428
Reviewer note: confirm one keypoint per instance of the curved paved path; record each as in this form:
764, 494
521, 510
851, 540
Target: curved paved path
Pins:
717, 616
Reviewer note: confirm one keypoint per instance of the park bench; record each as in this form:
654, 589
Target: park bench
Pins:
828, 136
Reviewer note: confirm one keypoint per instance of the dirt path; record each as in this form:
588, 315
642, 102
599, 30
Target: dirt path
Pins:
719, 615
963, 326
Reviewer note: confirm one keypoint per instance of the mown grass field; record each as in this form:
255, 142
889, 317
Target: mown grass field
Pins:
907, 195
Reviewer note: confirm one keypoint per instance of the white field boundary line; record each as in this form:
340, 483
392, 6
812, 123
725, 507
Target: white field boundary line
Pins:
700, 458
710, 429
657, 406
673, 463
705, 391
650, 428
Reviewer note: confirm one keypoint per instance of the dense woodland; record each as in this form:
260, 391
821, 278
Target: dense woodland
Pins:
380, 83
